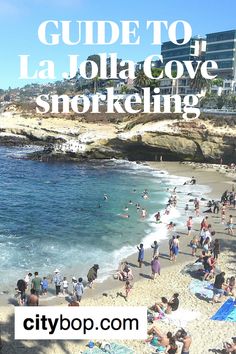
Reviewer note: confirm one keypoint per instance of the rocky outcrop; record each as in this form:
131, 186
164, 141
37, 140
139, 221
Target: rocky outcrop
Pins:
173, 139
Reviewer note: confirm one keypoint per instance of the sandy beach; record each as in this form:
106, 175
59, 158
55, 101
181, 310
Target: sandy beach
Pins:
206, 334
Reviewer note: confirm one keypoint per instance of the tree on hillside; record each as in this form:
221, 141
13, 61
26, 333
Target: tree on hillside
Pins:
217, 82
155, 82
141, 80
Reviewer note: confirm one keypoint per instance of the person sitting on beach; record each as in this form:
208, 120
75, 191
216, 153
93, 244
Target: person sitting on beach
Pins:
231, 286
125, 272
32, 299
208, 211
173, 303
172, 348
159, 340
160, 307
183, 337
219, 286
74, 303
230, 347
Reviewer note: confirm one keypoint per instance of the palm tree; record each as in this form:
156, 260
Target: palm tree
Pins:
199, 82
141, 80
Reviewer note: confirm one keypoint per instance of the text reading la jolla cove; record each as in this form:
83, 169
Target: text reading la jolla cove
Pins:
124, 33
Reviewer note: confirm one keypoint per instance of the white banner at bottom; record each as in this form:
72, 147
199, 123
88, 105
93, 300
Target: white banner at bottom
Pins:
54, 322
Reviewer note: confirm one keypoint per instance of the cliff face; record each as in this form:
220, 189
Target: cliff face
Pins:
135, 138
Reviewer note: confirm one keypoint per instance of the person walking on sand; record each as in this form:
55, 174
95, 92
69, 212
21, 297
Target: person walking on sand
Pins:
223, 210
92, 275
128, 288
204, 223
170, 246
156, 267
140, 255
190, 225
155, 248
175, 248
230, 225
194, 245
216, 249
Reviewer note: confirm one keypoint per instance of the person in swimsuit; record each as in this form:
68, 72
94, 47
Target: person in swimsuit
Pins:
183, 337
162, 341
231, 286
175, 248
190, 225
230, 226
160, 307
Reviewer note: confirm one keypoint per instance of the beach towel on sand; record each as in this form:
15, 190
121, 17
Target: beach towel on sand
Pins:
114, 349
227, 312
203, 288
181, 317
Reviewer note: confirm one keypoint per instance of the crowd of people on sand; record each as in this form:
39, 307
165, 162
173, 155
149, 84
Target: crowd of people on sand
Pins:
30, 289
205, 240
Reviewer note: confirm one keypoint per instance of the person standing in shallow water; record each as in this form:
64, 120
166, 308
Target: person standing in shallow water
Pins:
140, 255
36, 284
57, 279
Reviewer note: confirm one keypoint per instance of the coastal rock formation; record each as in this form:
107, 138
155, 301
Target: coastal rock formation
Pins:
141, 137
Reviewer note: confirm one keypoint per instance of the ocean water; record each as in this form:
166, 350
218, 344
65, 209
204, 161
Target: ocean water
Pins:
53, 215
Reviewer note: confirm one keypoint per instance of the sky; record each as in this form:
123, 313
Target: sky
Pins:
20, 19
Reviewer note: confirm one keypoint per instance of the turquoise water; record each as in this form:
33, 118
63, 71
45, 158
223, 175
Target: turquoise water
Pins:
53, 215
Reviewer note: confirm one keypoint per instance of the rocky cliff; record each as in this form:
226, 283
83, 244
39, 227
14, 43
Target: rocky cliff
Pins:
143, 137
